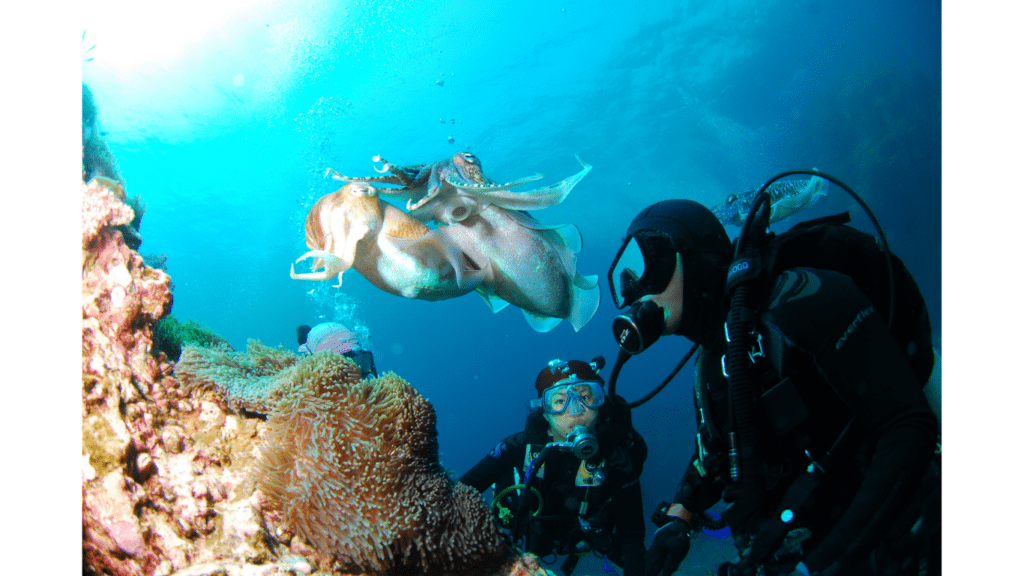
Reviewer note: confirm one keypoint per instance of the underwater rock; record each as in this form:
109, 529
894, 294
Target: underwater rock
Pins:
170, 472
121, 298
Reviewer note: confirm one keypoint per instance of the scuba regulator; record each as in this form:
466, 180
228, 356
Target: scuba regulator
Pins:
580, 442
639, 326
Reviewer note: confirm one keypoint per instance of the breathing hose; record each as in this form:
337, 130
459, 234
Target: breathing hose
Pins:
623, 356
744, 270
496, 502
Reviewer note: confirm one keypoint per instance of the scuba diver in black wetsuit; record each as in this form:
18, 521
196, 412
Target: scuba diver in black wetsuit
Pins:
581, 456
812, 422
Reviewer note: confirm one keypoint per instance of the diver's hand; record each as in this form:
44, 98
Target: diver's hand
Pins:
671, 545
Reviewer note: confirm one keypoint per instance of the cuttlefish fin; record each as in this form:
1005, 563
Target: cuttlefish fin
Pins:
534, 199
493, 302
585, 300
541, 323
585, 282
333, 266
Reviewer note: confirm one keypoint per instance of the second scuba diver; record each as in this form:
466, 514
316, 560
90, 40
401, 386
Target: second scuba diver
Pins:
825, 451
579, 462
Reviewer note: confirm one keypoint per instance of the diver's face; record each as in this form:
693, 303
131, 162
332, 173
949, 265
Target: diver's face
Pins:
561, 424
671, 299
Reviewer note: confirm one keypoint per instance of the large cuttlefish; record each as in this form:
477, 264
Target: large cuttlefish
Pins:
505, 255
787, 197
453, 189
354, 228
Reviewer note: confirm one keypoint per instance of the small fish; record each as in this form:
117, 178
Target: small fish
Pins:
787, 198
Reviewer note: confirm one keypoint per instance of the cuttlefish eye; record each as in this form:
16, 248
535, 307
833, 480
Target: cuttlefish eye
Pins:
469, 158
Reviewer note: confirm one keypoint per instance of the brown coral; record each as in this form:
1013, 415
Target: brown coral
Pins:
352, 466
248, 380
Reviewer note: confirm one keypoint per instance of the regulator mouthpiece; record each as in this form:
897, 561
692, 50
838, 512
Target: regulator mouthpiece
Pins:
639, 327
584, 444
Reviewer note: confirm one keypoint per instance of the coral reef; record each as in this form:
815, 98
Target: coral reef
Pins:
169, 335
121, 298
249, 381
352, 466
171, 472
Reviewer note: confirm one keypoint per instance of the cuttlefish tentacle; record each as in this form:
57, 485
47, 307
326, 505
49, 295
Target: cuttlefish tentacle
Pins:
404, 177
409, 176
333, 266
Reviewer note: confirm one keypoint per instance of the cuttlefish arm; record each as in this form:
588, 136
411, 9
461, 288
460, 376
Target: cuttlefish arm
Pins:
333, 229
529, 199
404, 176
333, 266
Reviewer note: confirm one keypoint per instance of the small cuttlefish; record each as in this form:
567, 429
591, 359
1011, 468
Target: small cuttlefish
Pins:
787, 198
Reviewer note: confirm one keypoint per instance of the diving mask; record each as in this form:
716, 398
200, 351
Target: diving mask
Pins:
644, 265
573, 396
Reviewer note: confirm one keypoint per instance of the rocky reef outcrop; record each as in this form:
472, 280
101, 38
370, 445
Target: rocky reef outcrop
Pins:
178, 480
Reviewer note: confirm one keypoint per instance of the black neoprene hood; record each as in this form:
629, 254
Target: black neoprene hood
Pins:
692, 226
705, 251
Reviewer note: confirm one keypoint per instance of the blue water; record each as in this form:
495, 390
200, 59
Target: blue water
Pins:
224, 126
